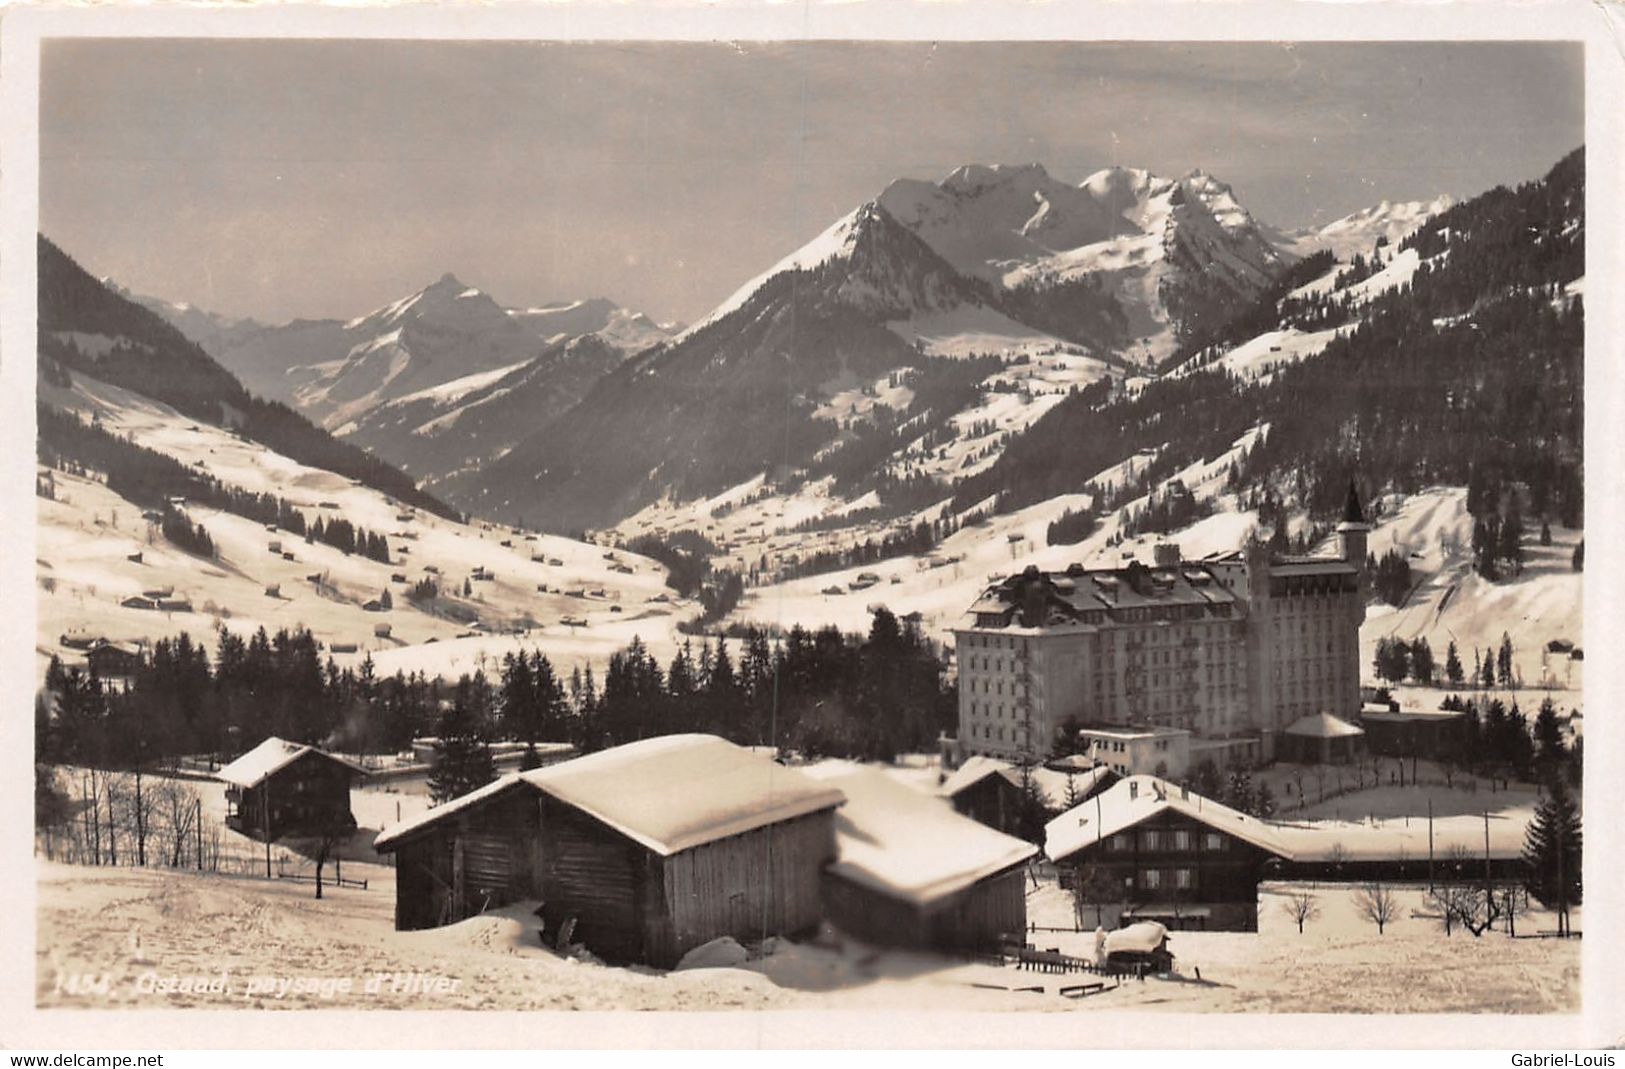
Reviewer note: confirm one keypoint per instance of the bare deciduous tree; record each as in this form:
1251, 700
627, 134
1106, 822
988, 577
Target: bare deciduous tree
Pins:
1376, 903
175, 809
1301, 906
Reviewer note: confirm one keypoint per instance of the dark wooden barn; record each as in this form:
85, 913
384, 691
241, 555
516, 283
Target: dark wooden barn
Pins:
1432, 736
989, 790
909, 871
648, 850
285, 788
1167, 855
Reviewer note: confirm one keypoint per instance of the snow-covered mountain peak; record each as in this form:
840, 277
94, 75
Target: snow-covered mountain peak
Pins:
974, 178
982, 218
1359, 232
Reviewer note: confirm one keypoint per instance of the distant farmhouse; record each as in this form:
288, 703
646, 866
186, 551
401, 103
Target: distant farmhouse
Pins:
644, 851
1231, 647
111, 660
286, 788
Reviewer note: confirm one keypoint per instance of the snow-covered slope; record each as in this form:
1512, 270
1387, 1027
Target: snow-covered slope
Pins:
87, 535
454, 427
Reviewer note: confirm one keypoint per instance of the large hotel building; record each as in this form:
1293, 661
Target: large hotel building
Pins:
1235, 646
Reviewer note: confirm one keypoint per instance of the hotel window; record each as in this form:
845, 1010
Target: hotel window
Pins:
1182, 840
1182, 878
1213, 841
1151, 878
1151, 840
1119, 843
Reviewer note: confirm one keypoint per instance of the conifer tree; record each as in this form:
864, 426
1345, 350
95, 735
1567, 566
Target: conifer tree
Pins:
1550, 750
1452, 665
462, 759
1551, 853
1422, 662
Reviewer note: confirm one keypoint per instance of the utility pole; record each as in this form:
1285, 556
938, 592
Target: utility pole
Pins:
1562, 889
198, 809
1430, 843
265, 822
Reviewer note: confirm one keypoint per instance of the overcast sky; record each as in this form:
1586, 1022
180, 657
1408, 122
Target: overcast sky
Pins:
281, 179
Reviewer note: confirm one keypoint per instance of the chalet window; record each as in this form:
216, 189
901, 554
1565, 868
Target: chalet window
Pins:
1151, 878
1182, 840
1214, 841
1151, 840
1120, 842
1182, 878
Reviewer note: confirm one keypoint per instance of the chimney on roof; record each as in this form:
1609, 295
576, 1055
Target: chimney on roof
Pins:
1166, 554
1133, 789
1033, 598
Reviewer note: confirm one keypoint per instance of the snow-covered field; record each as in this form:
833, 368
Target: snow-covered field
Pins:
134, 925
270, 944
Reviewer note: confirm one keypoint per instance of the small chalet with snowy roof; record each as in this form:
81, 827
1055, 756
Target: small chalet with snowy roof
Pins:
1320, 739
1161, 853
988, 790
645, 850
111, 660
909, 871
287, 788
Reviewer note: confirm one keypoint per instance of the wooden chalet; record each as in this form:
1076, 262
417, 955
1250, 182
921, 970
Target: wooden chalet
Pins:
282, 788
1178, 858
113, 659
988, 790
911, 872
646, 850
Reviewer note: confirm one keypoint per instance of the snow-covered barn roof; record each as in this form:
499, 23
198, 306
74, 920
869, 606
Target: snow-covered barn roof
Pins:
668, 794
270, 757
909, 845
1136, 799
401, 830
1322, 726
1050, 783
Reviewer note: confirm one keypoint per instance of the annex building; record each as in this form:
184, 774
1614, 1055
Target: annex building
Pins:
1231, 646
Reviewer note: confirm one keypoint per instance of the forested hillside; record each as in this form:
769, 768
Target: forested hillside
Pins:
1472, 374
85, 326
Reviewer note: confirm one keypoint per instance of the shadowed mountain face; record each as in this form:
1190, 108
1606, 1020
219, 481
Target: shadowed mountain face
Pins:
86, 326
988, 254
